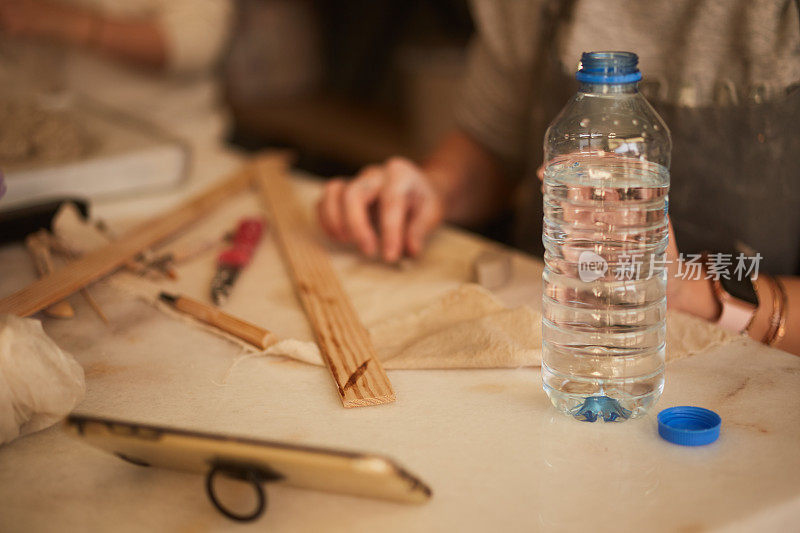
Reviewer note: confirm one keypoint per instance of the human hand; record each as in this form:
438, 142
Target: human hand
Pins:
408, 209
693, 296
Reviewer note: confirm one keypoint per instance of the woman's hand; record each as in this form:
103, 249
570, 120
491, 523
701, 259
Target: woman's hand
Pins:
405, 204
693, 296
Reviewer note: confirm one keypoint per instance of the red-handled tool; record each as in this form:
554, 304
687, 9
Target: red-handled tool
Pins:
232, 260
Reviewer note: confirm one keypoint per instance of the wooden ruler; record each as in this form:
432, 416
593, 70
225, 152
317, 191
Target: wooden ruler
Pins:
94, 265
343, 341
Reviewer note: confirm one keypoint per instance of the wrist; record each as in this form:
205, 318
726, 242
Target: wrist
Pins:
696, 297
442, 183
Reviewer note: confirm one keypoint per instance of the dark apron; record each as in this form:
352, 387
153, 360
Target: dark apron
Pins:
735, 173
735, 179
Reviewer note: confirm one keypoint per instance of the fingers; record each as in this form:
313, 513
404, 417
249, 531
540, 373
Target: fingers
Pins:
425, 216
393, 212
330, 211
343, 209
357, 198
408, 209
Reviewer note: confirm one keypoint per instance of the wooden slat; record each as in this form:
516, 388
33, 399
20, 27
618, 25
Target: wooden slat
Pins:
96, 264
343, 340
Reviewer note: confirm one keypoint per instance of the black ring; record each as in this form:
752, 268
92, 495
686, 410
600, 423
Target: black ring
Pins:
245, 475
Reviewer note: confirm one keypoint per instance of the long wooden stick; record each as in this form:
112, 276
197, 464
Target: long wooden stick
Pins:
344, 342
105, 260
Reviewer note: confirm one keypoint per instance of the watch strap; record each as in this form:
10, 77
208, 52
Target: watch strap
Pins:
736, 314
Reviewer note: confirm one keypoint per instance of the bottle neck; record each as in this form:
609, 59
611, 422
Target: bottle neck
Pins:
609, 88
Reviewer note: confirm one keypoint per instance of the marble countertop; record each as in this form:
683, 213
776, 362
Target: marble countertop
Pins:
497, 456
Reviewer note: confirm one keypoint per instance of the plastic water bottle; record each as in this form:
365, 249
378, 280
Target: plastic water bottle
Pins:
605, 234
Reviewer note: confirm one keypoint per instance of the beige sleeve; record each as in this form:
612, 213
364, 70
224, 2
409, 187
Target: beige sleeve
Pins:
494, 103
196, 32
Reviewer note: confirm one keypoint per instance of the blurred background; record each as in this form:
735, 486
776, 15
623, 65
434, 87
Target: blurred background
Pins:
345, 83
118, 99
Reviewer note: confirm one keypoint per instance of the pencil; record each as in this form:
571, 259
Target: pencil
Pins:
228, 323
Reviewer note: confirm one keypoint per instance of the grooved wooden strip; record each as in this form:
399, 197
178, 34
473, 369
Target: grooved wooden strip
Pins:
335, 328
344, 333
343, 315
96, 264
344, 342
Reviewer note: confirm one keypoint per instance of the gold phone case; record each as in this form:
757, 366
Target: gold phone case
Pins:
252, 460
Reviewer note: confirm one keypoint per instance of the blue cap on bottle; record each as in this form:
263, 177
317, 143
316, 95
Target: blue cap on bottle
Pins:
689, 426
609, 67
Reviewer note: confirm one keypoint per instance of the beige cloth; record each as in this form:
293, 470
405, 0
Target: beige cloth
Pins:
424, 318
39, 383
466, 328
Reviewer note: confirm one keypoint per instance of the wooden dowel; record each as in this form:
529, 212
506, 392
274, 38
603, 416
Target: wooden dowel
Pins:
228, 323
343, 340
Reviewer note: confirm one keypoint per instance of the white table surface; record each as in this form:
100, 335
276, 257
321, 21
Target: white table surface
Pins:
497, 456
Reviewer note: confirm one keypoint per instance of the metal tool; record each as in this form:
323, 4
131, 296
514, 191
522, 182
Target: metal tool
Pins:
232, 260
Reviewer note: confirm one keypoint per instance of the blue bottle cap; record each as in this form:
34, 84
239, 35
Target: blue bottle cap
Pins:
689, 426
609, 67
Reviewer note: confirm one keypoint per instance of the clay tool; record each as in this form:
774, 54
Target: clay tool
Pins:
233, 260
343, 340
228, 323
142, 264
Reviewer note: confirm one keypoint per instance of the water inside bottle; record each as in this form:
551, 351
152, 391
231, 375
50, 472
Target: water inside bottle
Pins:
604, 302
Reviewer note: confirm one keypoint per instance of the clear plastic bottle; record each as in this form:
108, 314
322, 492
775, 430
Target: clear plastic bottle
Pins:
605, 234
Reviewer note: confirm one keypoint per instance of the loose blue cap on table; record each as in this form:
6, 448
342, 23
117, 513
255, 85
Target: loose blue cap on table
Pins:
609, 67
689, 426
